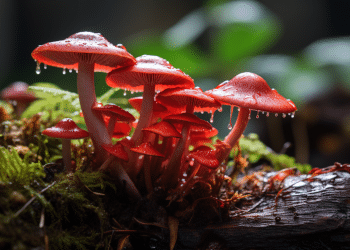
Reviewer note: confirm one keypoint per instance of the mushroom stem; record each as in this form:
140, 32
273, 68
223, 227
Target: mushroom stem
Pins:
121, 176
145, 113
236, 132
111, 125
87, 98
173, 168
66, 155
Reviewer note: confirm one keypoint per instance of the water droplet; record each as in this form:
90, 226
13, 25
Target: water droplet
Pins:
212, 118
45, 66
249, 117
192, 163
70, 70
276, 114
124, 94
37, 70
202, 112
257, 115
292, 115
131, 92
284, 115
229, 126
220, 109
64, 71
267, 114
262, 112
76, 71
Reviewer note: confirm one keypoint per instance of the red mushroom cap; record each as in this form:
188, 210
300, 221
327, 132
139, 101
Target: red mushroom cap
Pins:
83, 45
66, 129
146, 148
148, 70
251, 91
136, 103
117, 150
205, 156
180, 98
114, 110
18, 91
164, 129
195, 122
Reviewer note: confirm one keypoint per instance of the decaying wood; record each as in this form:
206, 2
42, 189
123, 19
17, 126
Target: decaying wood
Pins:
308, 215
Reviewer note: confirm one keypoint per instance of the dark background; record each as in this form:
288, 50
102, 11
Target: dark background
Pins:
26, 24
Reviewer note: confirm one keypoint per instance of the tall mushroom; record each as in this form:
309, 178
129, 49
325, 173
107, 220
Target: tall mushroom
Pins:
249, 92
66, 130
149, 74
86, 52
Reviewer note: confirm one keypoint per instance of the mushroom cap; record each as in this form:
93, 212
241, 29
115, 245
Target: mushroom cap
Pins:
66, 129
149, 70
84, 46
251, 91
146, 148
180, 98
117, 150
18, 91
136, 103
164, 129
205, 156
121, 129
113, 110
195, 122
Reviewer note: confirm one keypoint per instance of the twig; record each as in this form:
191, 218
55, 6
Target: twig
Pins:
31, 200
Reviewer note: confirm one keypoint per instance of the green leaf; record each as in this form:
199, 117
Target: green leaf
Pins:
244, 28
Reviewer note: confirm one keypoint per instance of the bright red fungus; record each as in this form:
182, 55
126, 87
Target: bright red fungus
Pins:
66, 130
86, 52
249, 92
149, 74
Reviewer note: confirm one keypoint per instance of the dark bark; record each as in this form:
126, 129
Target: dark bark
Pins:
308, 215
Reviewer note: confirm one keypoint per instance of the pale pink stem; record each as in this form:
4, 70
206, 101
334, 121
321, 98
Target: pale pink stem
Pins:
111, 124
236, 132
145, 113
87, 98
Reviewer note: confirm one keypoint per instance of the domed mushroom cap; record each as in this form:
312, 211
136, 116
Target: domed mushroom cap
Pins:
113, 110
182, 97
18, 91
146, 148
251, 91
89, 46
205, 156
117, 150
149, 70
195, 122
66, 129
164, 129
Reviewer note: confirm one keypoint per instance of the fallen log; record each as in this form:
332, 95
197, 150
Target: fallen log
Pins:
309, 214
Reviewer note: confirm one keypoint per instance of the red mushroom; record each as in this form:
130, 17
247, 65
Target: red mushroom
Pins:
86, 52
67, 130
148, 151
249, 92
115, 113
149, 74
19, 95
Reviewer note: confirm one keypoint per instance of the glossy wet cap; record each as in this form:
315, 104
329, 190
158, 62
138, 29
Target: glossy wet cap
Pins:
66, 129
205, 156
149, 70
164, 129
183, 97
113, 110
146, 148
117, 150
251, 91
87, 46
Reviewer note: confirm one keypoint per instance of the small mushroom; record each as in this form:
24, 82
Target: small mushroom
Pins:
19, 95
148, 151
66, 130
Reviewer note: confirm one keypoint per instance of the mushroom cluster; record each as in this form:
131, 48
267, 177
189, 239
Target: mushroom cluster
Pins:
157, 154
